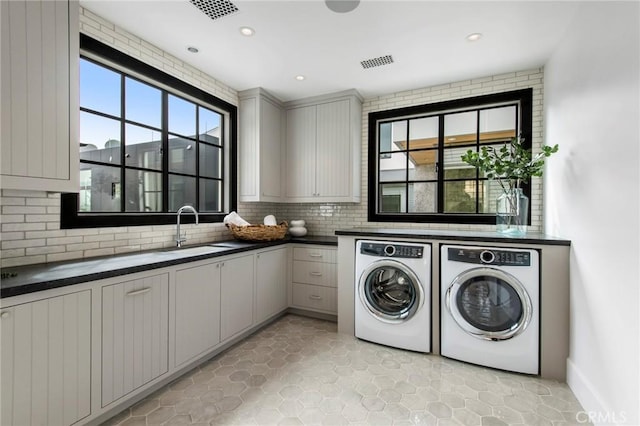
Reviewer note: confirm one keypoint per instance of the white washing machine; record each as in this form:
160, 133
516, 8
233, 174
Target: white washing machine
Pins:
393, 294
490, 307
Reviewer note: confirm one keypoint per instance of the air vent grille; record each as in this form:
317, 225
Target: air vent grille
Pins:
215, 9
377, 62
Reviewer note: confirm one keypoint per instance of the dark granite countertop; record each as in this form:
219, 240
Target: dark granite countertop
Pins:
477, 236
31, 278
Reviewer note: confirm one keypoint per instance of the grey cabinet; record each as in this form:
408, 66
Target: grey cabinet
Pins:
39, 142
271, 283
260, 146
135, 334
46, 361
197, 304
323, 144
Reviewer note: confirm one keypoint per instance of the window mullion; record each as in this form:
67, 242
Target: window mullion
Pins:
440, 164
165, 151
197, 202
406, 170
477, 170
123, 151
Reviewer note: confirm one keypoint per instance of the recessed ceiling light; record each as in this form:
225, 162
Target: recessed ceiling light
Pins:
192, 49
247, 31
342, 6
474, 37
300, 77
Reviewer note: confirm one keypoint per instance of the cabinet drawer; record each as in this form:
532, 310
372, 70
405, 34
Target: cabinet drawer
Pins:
323, 274
315, 254
315, 297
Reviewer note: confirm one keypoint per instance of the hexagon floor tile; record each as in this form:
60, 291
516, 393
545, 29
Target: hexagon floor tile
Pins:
300, 371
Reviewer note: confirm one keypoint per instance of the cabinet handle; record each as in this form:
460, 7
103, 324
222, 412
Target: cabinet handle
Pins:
315, 255
315, 297
315, 274
137, 292
5, 314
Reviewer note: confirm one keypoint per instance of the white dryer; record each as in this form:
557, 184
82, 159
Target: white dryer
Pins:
393, 294
490, 307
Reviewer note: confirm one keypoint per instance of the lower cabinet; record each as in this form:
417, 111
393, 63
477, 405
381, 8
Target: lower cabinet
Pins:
314, 279
271, 283
197, 307
236, 295
46, 361
73, 356
135, 334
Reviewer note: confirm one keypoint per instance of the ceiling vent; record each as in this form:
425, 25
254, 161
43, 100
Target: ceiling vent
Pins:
215, 9
377, 62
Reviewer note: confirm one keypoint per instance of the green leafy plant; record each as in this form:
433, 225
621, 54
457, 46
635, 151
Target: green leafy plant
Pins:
510, 164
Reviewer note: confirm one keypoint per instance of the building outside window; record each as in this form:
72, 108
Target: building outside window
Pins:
415, 169
149, 144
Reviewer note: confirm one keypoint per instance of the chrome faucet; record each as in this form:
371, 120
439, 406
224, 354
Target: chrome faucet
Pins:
179, 238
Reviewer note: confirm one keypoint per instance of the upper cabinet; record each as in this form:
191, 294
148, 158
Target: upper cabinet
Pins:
323, 140
39, 143
261, 146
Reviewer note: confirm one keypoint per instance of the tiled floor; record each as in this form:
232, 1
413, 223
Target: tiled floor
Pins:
300, 371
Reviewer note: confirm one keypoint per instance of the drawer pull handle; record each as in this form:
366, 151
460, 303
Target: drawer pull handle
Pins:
315, 297
137, 292
315, 255
4, 314
315, 274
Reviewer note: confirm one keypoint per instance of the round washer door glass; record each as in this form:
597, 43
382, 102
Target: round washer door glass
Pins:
489, 303
390, 291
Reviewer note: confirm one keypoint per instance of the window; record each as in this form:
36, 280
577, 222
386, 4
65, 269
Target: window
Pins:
415, 170
149, 144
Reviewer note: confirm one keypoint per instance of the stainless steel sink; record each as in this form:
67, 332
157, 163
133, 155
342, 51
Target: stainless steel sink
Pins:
233, 244
193, 251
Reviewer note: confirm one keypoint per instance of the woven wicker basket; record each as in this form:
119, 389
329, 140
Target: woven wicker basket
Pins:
259, 232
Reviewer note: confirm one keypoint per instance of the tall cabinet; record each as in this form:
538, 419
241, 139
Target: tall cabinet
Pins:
323, 143
39, 137
260, 146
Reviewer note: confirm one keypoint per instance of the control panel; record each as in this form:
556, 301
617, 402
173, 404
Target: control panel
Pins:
490, 256
392, 250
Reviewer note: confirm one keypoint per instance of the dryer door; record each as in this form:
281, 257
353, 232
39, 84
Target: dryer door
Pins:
489, 303
390, 291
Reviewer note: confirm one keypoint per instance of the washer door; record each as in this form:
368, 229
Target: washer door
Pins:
489, 303
390, 291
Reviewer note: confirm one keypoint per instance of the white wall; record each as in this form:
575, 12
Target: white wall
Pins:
591, 195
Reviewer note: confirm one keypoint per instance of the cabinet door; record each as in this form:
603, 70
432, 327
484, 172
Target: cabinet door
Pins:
270, 150
236, 296
197, 299
39, 142
334, 162
271, 283
301, 152
135, 334
46, 361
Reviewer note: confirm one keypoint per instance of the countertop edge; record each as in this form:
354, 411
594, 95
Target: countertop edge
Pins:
454, 235
34, 287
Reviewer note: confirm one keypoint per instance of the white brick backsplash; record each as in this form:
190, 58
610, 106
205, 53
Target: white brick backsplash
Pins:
13, 244
9, 227
22, 260
9, 236
99, 252
30, 219
45, 250
63, 240
12, 218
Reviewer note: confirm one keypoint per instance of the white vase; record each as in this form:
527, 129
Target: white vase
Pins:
297, 228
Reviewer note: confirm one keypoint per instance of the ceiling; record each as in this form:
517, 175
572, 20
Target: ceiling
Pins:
427, 40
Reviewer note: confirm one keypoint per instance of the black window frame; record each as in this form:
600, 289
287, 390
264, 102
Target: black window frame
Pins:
71, 217
523, 98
